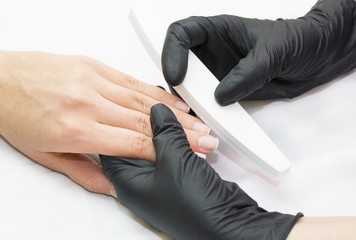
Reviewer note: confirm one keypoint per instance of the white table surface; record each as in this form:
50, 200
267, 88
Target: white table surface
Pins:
316, 131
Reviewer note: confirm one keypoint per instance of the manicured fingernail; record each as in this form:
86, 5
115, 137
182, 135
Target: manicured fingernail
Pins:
201, 127
201, 155
182, 106
208, 143
113, 193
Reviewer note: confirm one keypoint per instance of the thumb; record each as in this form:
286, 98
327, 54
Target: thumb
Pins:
180, 37
169, 138
81, 168
249, 75
121, 170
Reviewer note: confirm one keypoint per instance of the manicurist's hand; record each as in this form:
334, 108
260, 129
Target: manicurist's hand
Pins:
55, 109
181, 195
264, 59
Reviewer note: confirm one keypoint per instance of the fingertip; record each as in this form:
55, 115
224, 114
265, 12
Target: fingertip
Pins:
174, 61
249, 75
181, 36
169, 137
98, 183
224, 98
162, 118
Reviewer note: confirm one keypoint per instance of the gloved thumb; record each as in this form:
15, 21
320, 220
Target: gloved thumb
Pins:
169, 138
249, 75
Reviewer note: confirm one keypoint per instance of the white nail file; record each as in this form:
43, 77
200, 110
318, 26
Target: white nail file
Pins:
232, 124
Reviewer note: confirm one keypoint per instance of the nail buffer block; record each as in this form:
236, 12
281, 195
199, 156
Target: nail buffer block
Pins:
232, 124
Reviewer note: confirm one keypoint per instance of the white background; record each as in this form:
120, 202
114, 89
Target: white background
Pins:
315, 131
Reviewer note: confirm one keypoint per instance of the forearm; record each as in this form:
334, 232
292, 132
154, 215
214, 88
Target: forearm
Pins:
324, 228
3, 77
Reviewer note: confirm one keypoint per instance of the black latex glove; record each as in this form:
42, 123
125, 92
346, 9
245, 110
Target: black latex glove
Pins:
265, 59
183, 196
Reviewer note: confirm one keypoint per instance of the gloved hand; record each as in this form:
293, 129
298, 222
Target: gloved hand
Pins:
184, 197
264, 59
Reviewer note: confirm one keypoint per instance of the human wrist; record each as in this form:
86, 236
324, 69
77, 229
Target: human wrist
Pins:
324, 228
276, 225
335, 23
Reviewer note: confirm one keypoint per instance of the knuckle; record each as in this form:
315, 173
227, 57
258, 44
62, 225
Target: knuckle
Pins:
176, 27
142, 103
69, 129
77, 97
132, 83
80, 76
80, 71
162, 95
90, 183
180, 27
74, 130
177, 31
52, 130
190, 31
143, 124
86, 59
140, 144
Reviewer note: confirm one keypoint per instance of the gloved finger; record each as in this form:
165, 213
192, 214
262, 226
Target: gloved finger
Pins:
249, 75
180, 37
227, 42
174, 158
168, 135
120, 170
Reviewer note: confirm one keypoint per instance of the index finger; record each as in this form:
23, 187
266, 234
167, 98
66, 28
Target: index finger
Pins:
181, 36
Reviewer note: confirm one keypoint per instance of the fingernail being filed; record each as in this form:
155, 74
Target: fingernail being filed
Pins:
113, 193
208, 143
201, 127
180, 105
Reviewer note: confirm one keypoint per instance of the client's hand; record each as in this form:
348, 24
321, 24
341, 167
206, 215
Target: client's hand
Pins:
56, 108
184, 197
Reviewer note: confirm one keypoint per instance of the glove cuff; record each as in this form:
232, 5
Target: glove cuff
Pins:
292, 221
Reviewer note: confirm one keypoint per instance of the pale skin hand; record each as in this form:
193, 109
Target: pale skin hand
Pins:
324, 228
56, 108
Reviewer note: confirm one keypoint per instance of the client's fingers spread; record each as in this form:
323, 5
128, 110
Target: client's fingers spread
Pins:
80, 168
